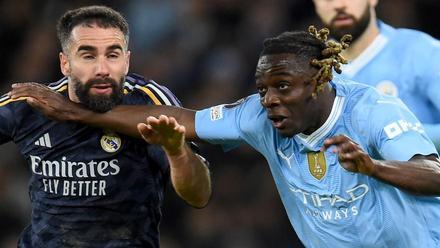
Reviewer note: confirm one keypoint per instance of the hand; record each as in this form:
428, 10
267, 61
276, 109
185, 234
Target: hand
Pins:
350, 155
164, 131
49, 102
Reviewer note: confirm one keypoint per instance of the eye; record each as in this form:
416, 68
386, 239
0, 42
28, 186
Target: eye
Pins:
283, 85
113, 55
88, 57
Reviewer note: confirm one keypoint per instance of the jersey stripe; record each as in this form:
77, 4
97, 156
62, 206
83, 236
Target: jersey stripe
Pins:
150, 94
8, 100
5, 99
158, 94
59, 86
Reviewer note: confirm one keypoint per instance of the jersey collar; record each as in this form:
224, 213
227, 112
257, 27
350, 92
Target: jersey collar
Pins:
310, 142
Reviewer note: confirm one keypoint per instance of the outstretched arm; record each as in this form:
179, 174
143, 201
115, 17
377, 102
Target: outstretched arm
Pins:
123, 119
189, 173
419, 175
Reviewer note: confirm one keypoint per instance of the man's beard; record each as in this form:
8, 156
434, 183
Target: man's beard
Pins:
99, 103
356, 29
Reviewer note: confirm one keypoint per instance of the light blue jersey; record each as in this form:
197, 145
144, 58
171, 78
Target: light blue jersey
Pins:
327, 205
403, 63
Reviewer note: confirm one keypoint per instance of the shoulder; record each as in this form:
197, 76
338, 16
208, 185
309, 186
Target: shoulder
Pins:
360, 100
409, 37
60, 85
351, 90
249, 106
158, 94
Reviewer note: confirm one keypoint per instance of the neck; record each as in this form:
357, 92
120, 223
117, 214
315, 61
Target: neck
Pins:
323, 105
71, 91
363, 41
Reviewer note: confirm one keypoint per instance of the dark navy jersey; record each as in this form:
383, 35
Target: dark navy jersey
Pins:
89, 187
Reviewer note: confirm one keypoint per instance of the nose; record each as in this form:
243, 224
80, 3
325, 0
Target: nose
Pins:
102, 68
270, 99
339, 4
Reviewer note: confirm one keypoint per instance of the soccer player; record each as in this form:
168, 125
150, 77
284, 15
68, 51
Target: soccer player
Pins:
92, 187
354, 168
398, 62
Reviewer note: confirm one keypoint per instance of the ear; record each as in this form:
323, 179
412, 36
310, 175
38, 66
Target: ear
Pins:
64, 64
127, 62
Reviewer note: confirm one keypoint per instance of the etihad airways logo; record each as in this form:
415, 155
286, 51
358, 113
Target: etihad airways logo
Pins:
317, 200
332, 207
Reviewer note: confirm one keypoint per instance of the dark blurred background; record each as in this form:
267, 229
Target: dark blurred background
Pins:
205, 51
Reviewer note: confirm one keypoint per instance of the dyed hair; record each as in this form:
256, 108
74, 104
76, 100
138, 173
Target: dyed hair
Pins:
101, 16
311, 46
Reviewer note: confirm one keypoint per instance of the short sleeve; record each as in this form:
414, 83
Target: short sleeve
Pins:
396, 132
230, 124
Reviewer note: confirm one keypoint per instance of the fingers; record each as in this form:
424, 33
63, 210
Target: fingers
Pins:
341, 143
145, 130
335, 140
163, 122
162, 125
27, 89
348, 155
35, 103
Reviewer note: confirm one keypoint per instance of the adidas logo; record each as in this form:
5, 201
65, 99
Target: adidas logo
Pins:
44, 141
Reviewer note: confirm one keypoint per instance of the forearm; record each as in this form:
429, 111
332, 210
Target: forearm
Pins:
124, 118
418, 176
190, 177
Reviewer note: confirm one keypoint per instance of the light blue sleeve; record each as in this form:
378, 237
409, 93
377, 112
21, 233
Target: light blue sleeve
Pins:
396, 132
229, 124
427, 68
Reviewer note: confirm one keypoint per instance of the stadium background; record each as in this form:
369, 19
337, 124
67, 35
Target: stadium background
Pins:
205, 51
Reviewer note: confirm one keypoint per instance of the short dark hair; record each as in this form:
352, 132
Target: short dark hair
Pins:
102, 16
300, 43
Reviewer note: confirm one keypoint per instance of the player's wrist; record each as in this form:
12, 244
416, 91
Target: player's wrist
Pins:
374, 168
176, 153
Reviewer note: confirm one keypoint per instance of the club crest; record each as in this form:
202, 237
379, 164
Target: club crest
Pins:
110, 142
387, 87
317, 164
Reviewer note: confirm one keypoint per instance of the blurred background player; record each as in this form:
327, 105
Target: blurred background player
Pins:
399, 62
92, 187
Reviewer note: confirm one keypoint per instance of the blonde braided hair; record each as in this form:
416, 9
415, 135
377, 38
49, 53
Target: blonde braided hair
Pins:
332, 57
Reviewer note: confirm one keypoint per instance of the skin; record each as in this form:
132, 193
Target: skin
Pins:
286, 94
95, 53
168, 133
285, 86
344, 16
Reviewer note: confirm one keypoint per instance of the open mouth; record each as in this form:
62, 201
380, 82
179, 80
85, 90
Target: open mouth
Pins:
101, 89
277, 121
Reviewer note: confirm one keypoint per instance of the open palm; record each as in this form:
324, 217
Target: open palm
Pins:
164, 131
